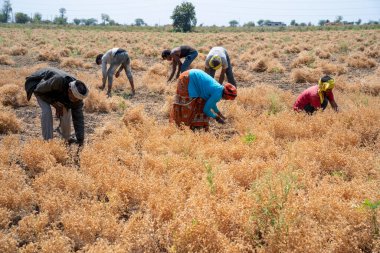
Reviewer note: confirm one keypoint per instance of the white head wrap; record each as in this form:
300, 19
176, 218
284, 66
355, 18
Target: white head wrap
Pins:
75, 91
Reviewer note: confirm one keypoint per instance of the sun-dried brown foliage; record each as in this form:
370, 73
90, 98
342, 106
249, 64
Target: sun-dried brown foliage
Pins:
359, 61
49, 55
269, 180
134, 116
91, 54
9, 123
304, 58
292, 49
97, 102
6, 60
17, 50
64, 52
332, 69
72, 63
260, 65
373, 52
37, 160
304, 75
138, 65
322, 54
12, 95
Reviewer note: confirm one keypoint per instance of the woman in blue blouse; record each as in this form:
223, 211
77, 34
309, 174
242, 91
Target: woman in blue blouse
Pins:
196, 99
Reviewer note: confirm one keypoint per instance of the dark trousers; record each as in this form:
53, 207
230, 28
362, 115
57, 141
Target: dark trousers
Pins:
311, 109
188, 60
229, 74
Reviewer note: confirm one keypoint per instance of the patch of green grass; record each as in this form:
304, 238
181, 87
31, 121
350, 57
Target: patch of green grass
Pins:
75, 53
271, 192
343, 48
275, 70
210, 178
274, 104
340, 174
249, 138
373, 206
286, 39
122, 106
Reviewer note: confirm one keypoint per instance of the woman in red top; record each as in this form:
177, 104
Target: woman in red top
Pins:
317, 96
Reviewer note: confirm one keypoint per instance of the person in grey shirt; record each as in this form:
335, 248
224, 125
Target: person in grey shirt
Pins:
218, 58
65, 93
115, 57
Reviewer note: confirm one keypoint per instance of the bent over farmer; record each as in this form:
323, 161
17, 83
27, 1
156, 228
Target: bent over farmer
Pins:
65, 93
196, 99
115, 57
317, 96
175, 55
218, 58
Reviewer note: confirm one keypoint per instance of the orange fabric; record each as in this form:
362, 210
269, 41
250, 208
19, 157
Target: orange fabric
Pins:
187, 110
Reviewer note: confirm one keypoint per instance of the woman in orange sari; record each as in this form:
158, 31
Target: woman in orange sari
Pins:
196, 99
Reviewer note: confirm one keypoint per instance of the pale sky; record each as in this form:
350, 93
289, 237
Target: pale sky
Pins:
208, 12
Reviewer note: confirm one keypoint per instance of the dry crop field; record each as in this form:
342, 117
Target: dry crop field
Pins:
270, 180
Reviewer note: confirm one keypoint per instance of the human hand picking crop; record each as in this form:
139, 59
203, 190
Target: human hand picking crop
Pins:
221, 115
219, 120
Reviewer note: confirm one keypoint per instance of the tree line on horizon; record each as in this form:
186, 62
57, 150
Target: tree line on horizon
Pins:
183, 16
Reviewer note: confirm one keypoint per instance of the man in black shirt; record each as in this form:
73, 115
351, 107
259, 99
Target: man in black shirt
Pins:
65, 93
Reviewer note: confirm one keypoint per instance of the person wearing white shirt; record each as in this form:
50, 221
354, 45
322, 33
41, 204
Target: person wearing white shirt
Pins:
218, 58
115, 57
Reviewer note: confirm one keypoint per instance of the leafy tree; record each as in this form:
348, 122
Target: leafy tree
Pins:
234, 23
90, 21
249, 24
61, 20
183, 16
373, 22
46, 21
260, 22
358, 22
105, 18
303, 24
62, 12
139, 22
37, 17
338, 19
77, 21
112, 22
21, 18
322, 22
267, 21
293, 22
5, 14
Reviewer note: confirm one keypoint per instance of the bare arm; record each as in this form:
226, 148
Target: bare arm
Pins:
175, 54
179, 63
174, 66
